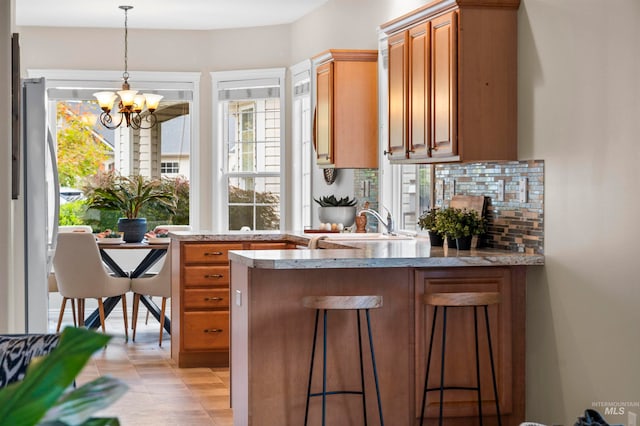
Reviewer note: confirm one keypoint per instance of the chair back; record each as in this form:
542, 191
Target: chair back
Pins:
158, 285
74, 228
79, 270
172, 228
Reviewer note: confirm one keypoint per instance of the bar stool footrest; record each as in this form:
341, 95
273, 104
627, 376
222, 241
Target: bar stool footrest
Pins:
337, 393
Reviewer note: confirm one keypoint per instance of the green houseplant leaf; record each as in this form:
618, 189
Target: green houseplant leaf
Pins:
128, 195
26, 402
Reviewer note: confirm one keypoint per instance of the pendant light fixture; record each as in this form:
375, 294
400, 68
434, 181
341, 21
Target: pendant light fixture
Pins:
130, 103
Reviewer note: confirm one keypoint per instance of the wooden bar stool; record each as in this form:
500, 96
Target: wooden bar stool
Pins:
327, 303
460, 300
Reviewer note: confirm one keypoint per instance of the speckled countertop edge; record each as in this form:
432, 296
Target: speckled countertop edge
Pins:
413, 253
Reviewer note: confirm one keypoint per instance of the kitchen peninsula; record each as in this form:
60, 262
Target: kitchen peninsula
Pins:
271, 333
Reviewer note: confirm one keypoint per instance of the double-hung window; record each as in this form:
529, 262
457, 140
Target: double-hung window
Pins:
249, 135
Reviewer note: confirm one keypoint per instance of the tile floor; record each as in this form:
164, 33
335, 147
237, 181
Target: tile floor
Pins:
159, 393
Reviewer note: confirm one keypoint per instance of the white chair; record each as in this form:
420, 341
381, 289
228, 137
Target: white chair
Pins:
81, 275
157, 285
172, 228
52, 284
75, 228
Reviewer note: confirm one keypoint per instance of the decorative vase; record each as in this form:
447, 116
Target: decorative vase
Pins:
464, 243
134, 229
435, 239
345, 215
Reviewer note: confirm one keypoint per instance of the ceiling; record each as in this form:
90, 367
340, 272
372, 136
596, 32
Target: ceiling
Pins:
162, 14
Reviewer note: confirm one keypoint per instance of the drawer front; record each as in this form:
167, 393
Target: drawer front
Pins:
205, 299
199, 276
271, 246
209, 253
206, 330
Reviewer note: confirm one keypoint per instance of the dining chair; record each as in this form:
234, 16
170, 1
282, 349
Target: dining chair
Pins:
157, 285
80, 274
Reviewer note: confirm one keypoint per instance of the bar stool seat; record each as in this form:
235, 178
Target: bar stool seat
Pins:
328, 303
460, 300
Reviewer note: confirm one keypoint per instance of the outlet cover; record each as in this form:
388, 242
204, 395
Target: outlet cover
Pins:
522, 190
500, 196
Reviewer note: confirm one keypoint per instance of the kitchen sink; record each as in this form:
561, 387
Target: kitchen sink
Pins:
369, 236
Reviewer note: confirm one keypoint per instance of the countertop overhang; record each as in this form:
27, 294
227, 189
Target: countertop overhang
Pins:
401, 253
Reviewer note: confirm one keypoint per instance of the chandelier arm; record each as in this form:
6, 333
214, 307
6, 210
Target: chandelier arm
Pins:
106, 120
137, 121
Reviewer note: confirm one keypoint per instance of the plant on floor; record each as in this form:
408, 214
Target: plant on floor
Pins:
42, 397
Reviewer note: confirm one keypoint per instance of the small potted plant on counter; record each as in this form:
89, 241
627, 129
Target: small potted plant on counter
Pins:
333, 210
460, 225
109, 191
427, 220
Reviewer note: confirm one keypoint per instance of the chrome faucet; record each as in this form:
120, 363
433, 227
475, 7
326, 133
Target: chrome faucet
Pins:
388, 223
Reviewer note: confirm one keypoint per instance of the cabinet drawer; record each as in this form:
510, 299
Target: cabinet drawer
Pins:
272, 246
205, 298
206, 330
206, 276
208, 253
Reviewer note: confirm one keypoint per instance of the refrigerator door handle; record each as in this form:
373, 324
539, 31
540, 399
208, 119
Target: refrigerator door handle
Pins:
56, 198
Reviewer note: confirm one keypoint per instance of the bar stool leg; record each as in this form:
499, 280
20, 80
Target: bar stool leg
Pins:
324, 369
375, 370
493, 371
364, 398
444, 339
475, 328
426, 379
313, 353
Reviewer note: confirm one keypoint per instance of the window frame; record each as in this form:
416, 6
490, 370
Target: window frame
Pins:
219, 190
302, 155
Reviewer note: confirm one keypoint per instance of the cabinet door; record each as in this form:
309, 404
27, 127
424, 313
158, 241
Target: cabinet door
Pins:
419, 83
324, 114
398, 91
444, 111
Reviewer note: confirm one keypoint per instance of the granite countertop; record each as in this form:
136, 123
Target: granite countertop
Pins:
374, 253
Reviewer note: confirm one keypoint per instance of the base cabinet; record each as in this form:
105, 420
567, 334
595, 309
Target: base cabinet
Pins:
200, 300
506, 321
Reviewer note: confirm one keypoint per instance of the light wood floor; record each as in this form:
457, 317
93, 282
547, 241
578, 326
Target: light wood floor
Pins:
159, 393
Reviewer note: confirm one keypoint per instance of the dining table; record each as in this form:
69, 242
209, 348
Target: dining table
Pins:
155, 253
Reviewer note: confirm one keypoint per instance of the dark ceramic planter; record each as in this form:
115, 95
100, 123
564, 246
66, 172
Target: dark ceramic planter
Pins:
464, 243
451, 242
134, 229
435, 239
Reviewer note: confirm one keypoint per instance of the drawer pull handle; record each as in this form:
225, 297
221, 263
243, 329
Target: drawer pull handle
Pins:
214, 276
213, 299
213, 253
213, 330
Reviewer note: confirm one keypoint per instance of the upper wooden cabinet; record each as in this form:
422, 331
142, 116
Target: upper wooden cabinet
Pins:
346, 113
452, 69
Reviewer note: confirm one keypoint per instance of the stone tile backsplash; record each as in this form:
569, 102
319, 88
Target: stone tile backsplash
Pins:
514, 223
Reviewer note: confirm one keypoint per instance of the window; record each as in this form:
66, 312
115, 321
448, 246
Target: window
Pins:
416, 184
172, 167
302, 150
250, 132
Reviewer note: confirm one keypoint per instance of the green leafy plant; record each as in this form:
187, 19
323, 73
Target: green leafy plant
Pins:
332, 201
457, 223
128, 195
427, 219
42, 397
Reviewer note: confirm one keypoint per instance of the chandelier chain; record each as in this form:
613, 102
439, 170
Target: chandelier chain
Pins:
125, 75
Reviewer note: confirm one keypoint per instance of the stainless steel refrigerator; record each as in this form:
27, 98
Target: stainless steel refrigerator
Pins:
41, 203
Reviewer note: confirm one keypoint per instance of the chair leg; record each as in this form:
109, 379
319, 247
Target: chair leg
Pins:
475, 329
101, 310
134, 316
324, 369
73, 312
493, 370
375, 370
426, 378
444, 339
146, 320
80, 312
164, 307
64, 304
313, 353
124, 315
364, 397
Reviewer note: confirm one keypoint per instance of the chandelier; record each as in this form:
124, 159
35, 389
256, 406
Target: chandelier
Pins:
131, 103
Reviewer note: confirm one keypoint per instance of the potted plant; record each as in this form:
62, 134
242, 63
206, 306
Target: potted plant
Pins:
427, 220
128, 195
333, 210
460, 225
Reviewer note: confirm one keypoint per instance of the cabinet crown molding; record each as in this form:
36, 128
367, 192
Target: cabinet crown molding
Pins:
345, 55
438, 6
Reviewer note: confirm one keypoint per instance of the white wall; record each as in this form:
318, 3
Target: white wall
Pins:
579, 110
